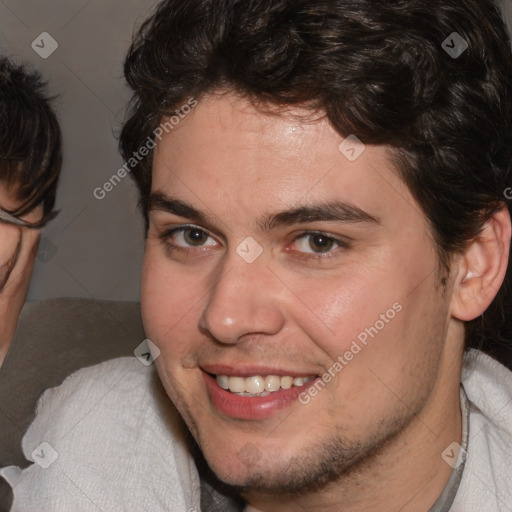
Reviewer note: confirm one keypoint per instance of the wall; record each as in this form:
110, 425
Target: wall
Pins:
94, 248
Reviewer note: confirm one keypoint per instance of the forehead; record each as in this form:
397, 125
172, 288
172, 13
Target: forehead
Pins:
261, 161
230, 126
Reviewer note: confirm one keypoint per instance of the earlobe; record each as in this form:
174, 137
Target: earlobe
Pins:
482, 268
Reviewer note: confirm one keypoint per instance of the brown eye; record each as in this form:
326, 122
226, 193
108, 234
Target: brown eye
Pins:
194, 237
320, 243
317, 243
188, 237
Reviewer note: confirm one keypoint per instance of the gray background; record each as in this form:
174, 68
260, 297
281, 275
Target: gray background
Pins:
94, 248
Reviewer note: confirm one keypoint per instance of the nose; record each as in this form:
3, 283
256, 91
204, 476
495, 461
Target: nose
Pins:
243, 301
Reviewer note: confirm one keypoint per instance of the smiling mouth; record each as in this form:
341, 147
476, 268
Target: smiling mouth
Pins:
253, 397
258, 385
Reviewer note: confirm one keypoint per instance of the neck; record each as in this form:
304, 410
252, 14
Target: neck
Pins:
408, 474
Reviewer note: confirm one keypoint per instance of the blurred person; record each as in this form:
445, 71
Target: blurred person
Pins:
44, 341
326, 283
30, 163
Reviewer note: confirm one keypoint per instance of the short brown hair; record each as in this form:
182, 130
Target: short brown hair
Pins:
376, 69
30, 139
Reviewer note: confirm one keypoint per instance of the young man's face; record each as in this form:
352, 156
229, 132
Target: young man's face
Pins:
18, 248
288, 258
13, 238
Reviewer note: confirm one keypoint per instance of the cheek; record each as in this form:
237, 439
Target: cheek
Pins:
9, 238
169, 299
334, 311
380, 307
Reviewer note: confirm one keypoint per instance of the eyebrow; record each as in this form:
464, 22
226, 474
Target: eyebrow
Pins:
162, 202
331, 211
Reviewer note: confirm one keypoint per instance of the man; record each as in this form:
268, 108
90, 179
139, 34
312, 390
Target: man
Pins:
30, 163
41, 345
314, 317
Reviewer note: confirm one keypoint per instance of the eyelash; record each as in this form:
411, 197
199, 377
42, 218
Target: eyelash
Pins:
167, 235
342, 244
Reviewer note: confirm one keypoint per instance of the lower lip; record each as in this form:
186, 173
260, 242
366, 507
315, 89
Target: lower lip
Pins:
252, 408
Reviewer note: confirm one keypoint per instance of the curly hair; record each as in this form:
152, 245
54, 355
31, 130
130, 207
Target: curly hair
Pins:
30, 139
375, 68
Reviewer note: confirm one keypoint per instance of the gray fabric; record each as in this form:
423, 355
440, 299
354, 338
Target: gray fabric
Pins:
445, 501
213, 500
55, 338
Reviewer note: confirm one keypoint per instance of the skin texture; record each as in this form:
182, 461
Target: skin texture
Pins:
382, 423
18, 248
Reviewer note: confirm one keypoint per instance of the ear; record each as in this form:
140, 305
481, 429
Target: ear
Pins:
482, 268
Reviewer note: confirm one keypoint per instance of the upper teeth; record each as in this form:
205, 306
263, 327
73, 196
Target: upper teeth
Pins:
258, 384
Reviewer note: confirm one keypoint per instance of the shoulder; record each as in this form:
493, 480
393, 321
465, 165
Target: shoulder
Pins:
485, 483
113, 376
100, 402
90, 391
109, 400
106, 429
488, 385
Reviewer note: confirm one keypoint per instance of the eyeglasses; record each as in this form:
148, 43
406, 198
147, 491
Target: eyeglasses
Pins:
7, 218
